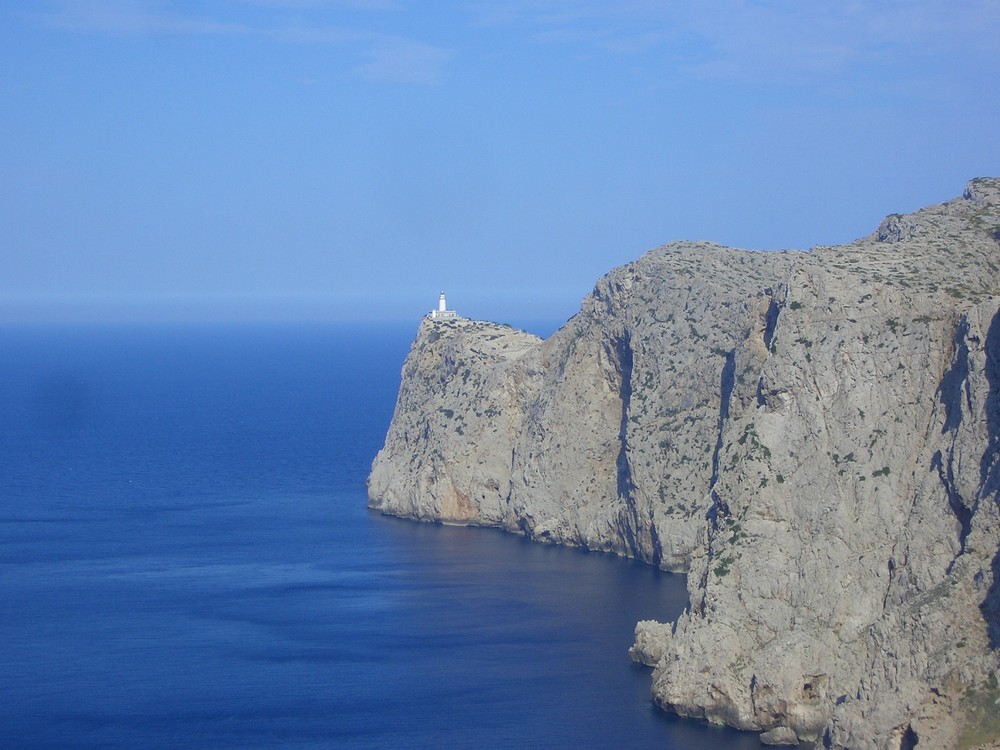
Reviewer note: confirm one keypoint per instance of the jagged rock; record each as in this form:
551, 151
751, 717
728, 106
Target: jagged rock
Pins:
651, 644
814, 437
779, 736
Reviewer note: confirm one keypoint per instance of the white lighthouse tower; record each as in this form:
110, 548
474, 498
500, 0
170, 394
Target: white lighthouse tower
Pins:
442, 310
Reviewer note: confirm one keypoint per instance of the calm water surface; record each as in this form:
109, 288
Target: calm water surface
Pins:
186, 561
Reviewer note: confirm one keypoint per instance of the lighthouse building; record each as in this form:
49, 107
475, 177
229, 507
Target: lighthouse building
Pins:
442, 311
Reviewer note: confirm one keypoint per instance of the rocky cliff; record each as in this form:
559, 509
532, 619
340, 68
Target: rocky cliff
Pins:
814, 437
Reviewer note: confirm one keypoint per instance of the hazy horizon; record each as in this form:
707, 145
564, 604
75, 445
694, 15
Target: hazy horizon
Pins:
348, 159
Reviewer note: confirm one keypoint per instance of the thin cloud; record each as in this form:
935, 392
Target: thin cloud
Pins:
131, 17
363, 5
792, 41
388, 57
403, 61
778, 40
545, 13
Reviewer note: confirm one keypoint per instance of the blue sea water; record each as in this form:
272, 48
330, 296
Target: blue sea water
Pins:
186, 560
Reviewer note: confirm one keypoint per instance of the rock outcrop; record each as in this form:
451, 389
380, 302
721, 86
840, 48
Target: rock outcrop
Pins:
814, 437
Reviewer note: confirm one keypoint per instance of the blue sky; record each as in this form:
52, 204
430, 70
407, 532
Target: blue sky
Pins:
348, 159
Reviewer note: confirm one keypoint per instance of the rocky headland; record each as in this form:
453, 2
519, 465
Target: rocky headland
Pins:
813, 437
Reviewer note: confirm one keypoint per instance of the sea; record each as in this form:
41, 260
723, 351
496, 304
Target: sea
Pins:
187, 561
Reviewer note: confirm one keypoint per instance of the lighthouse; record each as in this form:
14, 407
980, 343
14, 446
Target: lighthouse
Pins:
442, 310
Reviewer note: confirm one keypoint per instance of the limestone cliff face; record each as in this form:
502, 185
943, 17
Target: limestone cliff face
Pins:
464, 390
813, 436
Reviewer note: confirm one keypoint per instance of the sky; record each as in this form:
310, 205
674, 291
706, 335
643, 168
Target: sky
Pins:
349, 159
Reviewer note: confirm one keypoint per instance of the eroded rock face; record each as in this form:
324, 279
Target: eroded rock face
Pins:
812, 436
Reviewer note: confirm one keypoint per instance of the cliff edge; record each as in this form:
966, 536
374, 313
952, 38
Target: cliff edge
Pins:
814, 437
